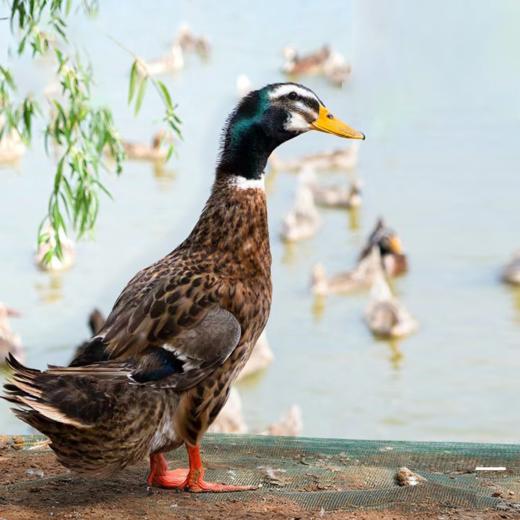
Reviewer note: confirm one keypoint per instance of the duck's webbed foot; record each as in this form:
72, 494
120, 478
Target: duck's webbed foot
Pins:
161, 476
191, 479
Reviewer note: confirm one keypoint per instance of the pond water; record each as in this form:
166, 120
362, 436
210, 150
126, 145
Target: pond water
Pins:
435, 88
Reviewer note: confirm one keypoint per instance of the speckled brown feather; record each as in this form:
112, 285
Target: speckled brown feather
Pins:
102, 421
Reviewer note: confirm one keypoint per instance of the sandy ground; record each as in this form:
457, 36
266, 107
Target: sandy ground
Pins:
38, 487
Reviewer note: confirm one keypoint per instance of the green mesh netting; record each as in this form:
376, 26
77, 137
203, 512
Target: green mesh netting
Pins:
341, 474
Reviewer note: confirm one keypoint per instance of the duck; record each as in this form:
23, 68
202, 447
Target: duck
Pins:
154, 152
303, 220
511, 272
10, 343
231, 419
55, 264
336, 69
324, 61
12, 148
290, 424
182, 329
337, 196
393, 258
171, 62
309, 64
342, 159
189, 42
385, 315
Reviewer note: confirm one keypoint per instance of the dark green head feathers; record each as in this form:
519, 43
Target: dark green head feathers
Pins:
266, 118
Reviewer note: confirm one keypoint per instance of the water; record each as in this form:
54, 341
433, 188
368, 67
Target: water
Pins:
435, 88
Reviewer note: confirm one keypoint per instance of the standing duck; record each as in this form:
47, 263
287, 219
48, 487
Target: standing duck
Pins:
183, 328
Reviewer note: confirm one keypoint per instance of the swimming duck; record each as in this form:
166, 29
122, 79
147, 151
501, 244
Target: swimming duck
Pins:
303, 220
10, 343
385, 315
55, 264
184, 327
389, 247
337, 196
511, 272
189, 42
171, 62
394, 258
12, 148
290, 424
329, 63
308, 64
142, 152
344, 159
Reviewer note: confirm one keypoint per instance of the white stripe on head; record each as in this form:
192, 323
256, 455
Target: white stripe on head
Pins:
241, 183
286, 88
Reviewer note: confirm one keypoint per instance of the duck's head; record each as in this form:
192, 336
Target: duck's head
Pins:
385, 239
266, 118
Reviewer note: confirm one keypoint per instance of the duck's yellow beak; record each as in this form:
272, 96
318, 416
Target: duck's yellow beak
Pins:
395, 245
326, 122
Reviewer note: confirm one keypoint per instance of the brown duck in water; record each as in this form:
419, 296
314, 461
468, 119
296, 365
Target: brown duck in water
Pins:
159, 371
393, 259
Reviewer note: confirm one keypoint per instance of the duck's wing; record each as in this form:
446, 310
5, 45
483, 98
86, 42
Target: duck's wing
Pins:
154, 356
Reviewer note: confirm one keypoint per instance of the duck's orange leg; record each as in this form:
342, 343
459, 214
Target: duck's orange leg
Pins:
184, 479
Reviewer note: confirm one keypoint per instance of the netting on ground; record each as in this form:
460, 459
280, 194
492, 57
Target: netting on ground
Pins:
348, 474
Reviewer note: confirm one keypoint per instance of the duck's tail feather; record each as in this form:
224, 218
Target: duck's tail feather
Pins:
44, 399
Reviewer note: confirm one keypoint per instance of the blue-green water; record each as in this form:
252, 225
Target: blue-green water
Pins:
435, 88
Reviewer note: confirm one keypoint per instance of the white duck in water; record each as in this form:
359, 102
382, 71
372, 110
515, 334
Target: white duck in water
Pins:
56, 264
385, 315
511, 272
342, 159
303, 220
11, 147
10, 343
337, 196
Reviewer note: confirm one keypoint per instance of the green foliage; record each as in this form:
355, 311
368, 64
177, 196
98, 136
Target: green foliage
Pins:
81, 134
139, 79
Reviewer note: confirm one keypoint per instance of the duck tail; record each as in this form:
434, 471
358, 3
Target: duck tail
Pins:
37, 395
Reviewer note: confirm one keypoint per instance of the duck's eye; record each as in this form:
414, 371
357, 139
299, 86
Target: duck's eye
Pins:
293, 96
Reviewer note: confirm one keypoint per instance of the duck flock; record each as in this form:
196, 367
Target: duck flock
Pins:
380, 260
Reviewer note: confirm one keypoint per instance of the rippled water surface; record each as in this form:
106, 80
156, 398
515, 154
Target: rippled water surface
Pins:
435, 88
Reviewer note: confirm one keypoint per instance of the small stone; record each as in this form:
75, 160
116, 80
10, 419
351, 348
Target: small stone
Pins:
35, 472
497, 494
406, 477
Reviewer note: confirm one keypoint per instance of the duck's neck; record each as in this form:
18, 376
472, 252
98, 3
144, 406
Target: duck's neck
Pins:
232, 228
246, 150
